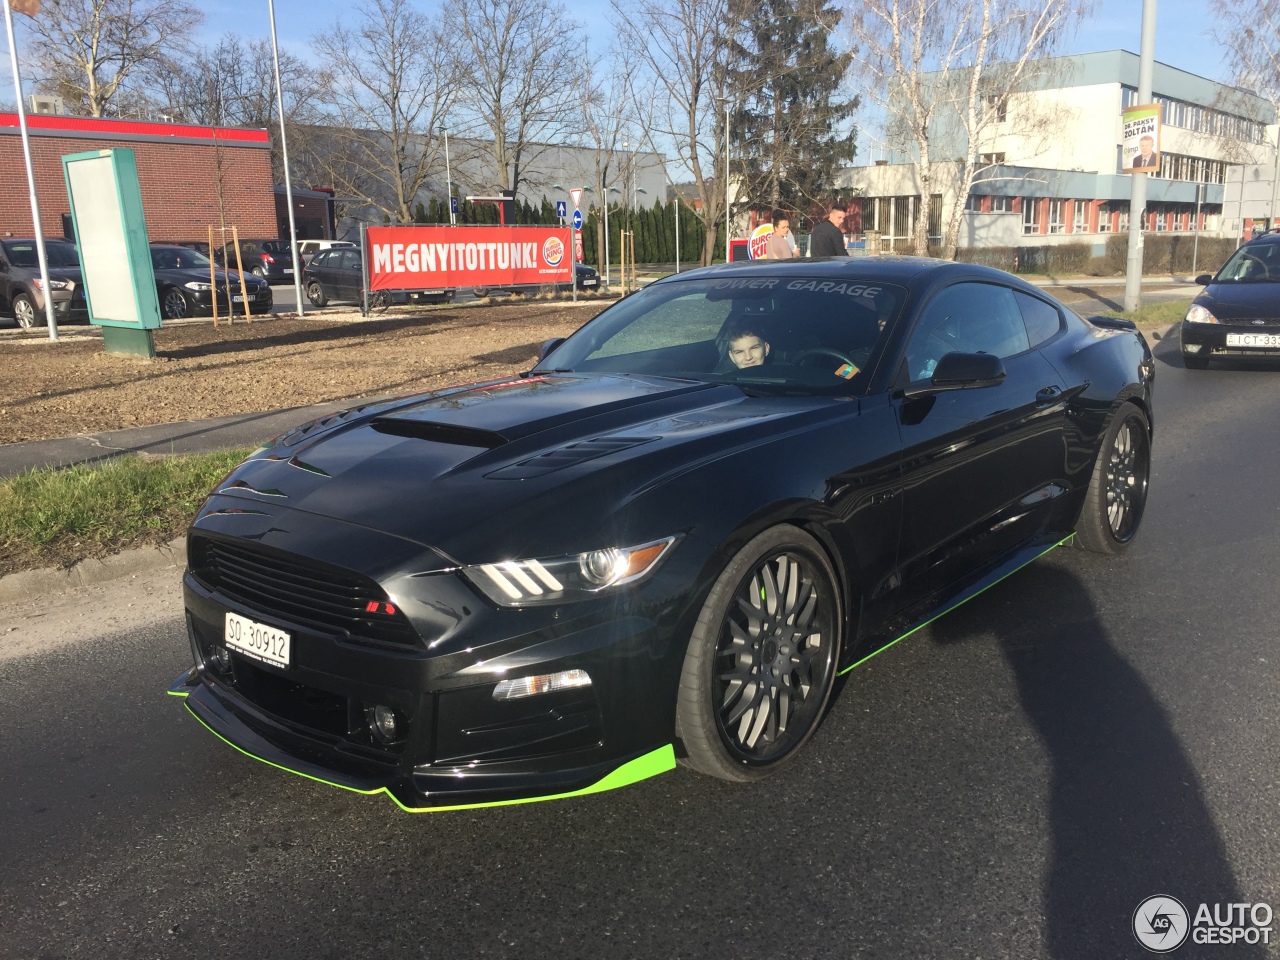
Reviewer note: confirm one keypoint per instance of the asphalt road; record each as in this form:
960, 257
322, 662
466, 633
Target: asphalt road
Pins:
1008, 783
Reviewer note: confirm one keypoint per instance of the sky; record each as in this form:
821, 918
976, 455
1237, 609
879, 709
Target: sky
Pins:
1183, 30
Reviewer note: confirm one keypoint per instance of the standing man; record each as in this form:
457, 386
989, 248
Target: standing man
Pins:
779, 247
828, 236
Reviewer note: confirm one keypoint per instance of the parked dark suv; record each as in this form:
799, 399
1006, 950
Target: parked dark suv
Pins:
20, 293
271, 260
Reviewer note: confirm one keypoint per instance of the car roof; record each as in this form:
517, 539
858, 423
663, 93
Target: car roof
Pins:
1264, 239
889, 269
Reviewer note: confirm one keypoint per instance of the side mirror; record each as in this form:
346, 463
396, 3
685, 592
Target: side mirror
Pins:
959, 371
1204, 279
548, 347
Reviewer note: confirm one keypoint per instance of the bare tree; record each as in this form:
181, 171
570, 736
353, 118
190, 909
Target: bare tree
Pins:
89, 52
943, 71
388, 96
683, 48
1252, 40
514, 77
607, 113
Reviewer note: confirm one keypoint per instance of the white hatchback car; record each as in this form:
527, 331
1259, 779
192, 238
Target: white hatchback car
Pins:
309, 248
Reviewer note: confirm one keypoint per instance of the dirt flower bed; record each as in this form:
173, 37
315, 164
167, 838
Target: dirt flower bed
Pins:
72, 387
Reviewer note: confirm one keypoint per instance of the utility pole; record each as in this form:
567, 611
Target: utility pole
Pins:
284, 155
448, 177
1138, 189
1275, 187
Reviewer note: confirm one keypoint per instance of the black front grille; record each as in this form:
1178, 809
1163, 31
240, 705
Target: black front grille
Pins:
298, 590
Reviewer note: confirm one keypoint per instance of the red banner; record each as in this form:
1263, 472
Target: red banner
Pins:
417, 258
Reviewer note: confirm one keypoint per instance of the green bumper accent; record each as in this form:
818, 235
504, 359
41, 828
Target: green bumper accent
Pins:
641, 768
955, 606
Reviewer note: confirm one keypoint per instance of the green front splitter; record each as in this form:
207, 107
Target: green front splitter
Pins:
641, 768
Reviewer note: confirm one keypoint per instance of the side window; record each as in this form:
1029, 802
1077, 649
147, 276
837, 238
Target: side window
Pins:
966, 318
1042, 319
350, 260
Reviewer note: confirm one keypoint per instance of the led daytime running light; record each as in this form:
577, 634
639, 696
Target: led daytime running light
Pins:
546, 683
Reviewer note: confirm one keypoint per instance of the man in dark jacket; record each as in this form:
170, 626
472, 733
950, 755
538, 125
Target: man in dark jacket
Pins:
827, 239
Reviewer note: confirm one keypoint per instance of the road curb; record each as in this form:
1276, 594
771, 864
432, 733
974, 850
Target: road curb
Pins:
34, 584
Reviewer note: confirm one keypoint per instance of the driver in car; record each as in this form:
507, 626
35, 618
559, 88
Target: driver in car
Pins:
747, 348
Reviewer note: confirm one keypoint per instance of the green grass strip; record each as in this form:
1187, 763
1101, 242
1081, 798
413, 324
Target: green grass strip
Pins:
1171, 311
54, 517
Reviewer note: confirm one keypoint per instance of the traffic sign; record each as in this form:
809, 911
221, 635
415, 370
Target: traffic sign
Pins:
577, 219
576, 193
562, 209
453, 204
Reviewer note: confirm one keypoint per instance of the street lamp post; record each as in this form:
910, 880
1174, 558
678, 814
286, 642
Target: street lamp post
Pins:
726, 180
284, 153
448, 178
1138, 189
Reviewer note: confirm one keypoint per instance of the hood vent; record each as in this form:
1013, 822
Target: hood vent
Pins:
568, 456
438, 432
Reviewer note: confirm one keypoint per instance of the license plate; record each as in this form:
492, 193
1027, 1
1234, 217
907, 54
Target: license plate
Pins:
288, 269
238, 299
1253, 340
257, 641
590, 283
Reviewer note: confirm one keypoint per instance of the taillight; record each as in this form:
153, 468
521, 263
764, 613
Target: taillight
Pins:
267, 258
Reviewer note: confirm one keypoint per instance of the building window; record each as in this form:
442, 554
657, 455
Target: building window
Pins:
1002, 205
1030, 215
1160, 220
1104, 218
998, 106
1055, 216
935, 217
1124, 222
991, 159
1080, 223
973, 204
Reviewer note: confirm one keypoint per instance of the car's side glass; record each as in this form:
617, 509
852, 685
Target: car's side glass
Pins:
1042, 319
350, 260
970, 317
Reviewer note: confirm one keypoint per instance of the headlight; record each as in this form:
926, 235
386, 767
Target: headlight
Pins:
1198, 314
522, 583
53, 284
197, 285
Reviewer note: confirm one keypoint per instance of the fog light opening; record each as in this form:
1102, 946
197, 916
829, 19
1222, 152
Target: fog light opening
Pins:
546, 683
384, 723
220, 657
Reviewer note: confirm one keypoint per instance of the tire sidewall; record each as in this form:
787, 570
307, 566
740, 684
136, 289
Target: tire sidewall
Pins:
31, 303
1094, 529
696, 721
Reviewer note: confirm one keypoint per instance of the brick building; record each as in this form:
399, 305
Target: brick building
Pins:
178, 168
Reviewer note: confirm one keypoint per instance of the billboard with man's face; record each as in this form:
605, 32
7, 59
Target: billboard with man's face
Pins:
1140, 152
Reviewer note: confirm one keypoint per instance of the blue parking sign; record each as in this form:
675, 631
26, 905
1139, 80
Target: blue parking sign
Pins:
453, 205
562, 209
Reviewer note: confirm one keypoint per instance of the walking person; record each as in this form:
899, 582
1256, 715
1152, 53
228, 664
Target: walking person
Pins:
779, 244
827, 239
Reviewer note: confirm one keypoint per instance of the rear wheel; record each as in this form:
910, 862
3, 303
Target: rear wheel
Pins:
316, 294
259, 272
1117, 493
24, 311
480, 292
762, 659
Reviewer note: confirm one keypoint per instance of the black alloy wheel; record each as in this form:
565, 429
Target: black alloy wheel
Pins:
762, 659
24, 311
316, 294
174, 305
1117, 495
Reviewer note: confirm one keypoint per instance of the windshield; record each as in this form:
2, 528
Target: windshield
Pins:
177, 258
1258, 262
22, 253
792, 335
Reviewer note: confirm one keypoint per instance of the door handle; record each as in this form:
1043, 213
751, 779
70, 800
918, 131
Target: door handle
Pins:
1047, 395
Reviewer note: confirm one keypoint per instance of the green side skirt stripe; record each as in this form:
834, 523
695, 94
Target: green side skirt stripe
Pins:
955, 606
641, 768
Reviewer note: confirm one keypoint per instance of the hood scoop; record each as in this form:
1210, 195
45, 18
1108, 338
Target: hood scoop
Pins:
567, 456
456, 434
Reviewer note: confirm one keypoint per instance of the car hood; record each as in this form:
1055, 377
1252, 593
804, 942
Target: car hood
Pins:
1242, 301
186, 275
462, 471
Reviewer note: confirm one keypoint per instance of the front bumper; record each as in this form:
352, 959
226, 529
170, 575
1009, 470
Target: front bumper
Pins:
460, 746
1210, 339
202, 300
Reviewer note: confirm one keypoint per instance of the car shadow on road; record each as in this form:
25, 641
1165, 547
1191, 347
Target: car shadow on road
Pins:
1127, 814
1092, 294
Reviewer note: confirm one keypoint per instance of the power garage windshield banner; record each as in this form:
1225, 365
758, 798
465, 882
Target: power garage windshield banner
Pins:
408, 258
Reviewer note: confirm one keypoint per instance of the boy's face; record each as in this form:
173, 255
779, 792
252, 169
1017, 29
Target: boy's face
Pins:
748, 351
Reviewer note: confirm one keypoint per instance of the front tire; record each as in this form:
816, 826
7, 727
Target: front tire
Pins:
1117, 495
762, 658
24, 311
174, 306
315, 293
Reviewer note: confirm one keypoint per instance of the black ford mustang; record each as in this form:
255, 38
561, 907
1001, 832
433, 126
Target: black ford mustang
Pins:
1238, 314
664, 541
